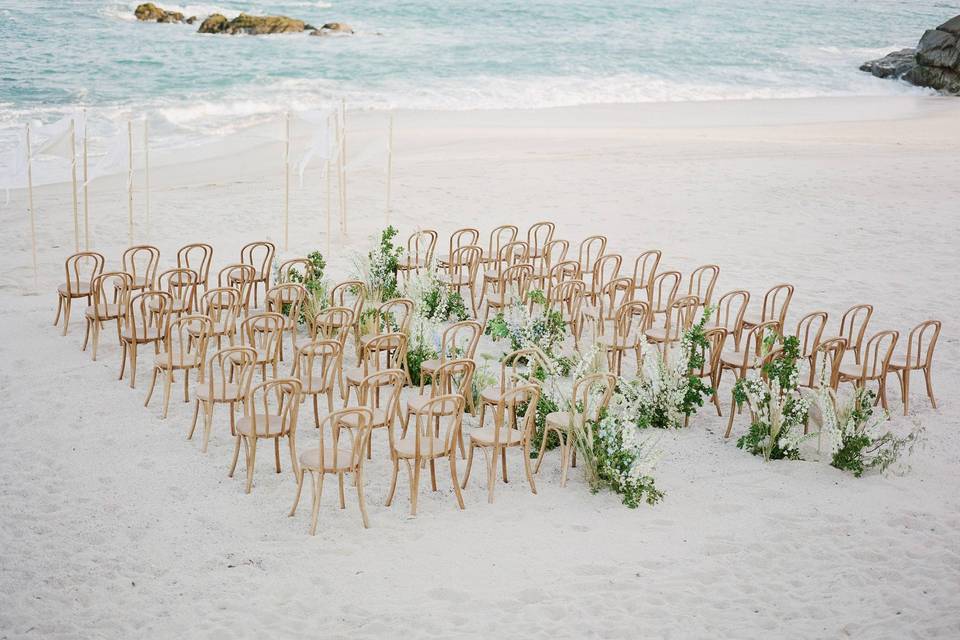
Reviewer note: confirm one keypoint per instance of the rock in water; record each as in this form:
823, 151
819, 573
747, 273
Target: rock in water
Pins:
892, 65
149, 12
331, 28
935, 63
251, 25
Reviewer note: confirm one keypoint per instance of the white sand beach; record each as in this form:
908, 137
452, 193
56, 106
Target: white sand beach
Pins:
115, 526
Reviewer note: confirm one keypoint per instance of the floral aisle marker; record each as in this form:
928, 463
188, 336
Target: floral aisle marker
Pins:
852, 427
313, 281
378, 268
777, 408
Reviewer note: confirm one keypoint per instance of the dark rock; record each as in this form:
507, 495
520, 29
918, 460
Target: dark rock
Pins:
191, 20
149, 12
331, 28
251, 25
945, 80
935, 63
938, 49
892, 65
951, 26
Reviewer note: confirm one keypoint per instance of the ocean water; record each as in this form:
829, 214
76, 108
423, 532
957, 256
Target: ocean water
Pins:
423, 54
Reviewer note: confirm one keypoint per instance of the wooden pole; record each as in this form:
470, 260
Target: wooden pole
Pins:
343, 164
130, 182
286, 184
146, 172
389, 165
33, 224
329, 214
86, 198
73, 179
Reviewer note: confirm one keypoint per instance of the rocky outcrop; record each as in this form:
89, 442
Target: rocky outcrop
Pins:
252, 25
935, 63
149, 12
332, 28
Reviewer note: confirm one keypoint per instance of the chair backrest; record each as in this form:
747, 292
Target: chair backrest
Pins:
679, 317
645, 270
259, 255
222, 305
81, 269
453, 377
371, 392
833, 350
591, 395
508, 405
877, 353
344, 430
141, 262
561, 272
511, 365
181, 284
921, 342
264, 332
286, 299
715, 337
316, 364
196, 256
555, 252
387, 351
605, 269
663, 290
853, 325
460, 340
499, 237
186, 339
614, 293
272, 407
148, 310
393, 315
107, 287
465, 263
341, 294
437, 425
752, 346
567, 298
465, 237
702, 282
776, 301
730, 310
421, 245
232, 367
242, 277
515, 280
631, 319
294, 270
591, 249
809, 331
333, 323
538, 236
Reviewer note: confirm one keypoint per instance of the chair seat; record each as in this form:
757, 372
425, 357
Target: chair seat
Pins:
313, 386
288, 322
491, 395
80, 291
428, 366
410, 262
177, 306
310, 459
619, 343
221, 392
853, 371
103, 312
900, 362
460, 280
184, 361
656, 334
559, 420
353, 419
406, 447
245, 425
219, 328
263, 356
499, 298
150, 334
485, 436
733, 358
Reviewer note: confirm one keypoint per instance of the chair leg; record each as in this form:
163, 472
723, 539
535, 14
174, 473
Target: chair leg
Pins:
317, 494
167, 388
56, 320
208, 423
466, 474
543, 449
251, 460
66, 314
296, 498
236, 455
905, 388
193, 424
123, 358
133, 365
294, 463
503, 461
525, 449
276, 453
153, 383
358, 476
733, 412
927, 374
433, 474
491, 461
456, 481
564, 463
415, 488
393, 482
86, 334
343, 503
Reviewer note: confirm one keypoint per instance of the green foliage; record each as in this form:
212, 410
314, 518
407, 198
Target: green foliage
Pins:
315, 284
416, 356
618, 464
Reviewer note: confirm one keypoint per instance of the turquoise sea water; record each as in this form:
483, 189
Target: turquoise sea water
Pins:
442, 54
